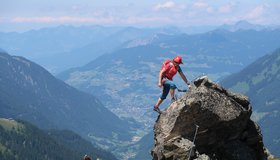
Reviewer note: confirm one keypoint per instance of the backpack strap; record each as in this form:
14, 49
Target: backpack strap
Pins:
167, 62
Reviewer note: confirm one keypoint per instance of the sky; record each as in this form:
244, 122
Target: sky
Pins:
16, 15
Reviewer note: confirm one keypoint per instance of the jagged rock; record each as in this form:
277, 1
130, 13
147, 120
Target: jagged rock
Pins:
225, 131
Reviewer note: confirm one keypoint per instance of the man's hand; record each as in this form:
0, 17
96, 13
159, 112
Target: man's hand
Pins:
190, 87
159, 84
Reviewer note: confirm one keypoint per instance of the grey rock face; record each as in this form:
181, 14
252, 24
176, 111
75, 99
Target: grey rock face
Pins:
225, 131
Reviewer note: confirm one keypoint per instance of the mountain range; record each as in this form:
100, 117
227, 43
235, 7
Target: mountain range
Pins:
28, 92
58, 48
261, 82
245, 25
126, 79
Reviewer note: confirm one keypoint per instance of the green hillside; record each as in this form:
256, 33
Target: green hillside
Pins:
261, 82
21, 140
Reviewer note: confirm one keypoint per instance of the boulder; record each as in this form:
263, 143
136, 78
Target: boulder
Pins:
215, 119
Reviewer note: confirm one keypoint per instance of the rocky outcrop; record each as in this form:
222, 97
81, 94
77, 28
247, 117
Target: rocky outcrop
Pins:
225, 130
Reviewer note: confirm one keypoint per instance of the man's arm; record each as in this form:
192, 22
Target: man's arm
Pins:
160, 77
185, 79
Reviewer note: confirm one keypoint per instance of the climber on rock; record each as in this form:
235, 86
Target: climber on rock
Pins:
165, 80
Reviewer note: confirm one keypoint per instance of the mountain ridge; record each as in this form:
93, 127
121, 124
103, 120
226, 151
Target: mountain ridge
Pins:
31, 93
260, 81
21, 140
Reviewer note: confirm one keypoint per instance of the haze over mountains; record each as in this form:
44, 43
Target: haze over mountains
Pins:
245, 25
58, 48
119, 67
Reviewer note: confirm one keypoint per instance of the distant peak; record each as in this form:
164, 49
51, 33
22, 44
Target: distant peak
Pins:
243, 22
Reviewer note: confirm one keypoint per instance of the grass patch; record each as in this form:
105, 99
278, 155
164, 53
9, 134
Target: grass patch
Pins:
10, 124
241, 87
2, 148
257, 79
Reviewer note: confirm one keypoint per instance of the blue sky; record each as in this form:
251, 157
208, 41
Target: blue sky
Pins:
25, 14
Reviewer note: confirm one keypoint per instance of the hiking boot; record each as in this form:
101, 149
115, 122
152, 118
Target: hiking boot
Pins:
157, 110
173, 99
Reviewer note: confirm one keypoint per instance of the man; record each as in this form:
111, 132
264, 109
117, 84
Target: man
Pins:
166, 74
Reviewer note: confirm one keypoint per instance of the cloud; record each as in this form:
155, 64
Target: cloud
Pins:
142, 20
62, 19
201, 5
166, 5
131, 20
198, 12
256, 12
226, 8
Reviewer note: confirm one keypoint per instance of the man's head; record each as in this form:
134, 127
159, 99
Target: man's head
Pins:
178, 60
86, 157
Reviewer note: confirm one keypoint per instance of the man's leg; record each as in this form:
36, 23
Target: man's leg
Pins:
172, 90
158, 102
172, 93
163, 96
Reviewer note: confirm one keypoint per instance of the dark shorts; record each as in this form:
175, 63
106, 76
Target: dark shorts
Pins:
167, 85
